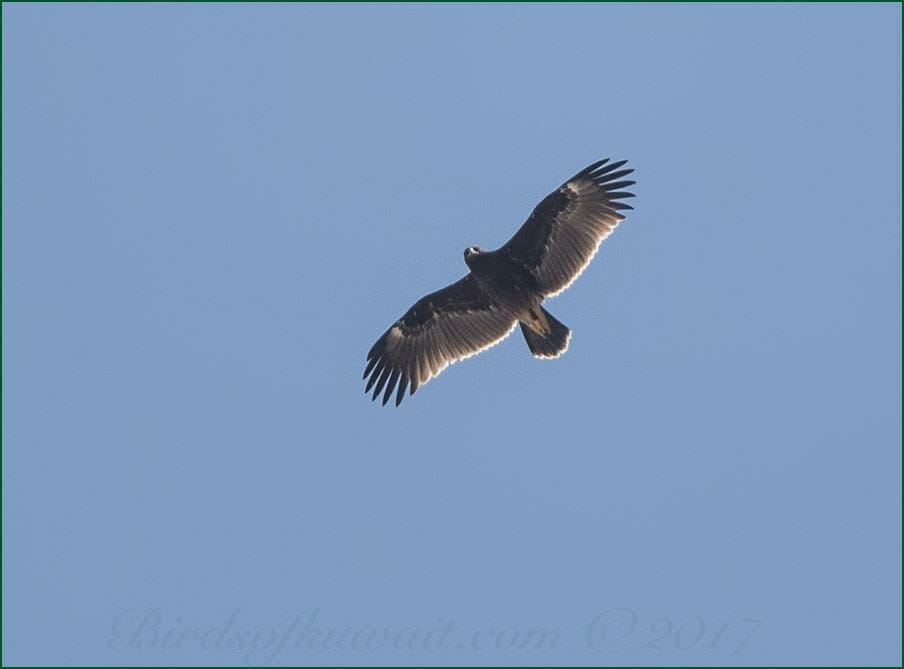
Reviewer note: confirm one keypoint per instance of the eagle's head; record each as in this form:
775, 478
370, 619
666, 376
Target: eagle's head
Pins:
471, 252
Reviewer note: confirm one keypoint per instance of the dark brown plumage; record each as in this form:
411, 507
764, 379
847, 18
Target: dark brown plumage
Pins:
505, 287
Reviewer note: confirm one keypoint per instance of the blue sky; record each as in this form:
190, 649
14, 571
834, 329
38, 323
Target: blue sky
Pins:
210, 212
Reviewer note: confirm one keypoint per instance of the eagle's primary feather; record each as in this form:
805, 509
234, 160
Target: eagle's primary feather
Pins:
504, 287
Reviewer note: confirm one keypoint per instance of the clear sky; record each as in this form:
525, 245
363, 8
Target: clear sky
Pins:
210, 212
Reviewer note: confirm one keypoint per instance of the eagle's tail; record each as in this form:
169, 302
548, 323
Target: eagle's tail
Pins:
546, 337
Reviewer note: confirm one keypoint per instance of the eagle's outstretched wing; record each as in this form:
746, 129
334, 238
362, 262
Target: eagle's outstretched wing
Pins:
565, 230
441, 328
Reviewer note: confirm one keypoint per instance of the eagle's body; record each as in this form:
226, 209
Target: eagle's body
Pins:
505, 287
507, 283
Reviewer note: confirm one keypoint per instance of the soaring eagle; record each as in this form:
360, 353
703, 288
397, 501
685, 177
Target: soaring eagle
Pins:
505, 287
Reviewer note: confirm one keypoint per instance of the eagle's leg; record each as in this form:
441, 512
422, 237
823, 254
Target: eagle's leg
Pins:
546, 337
536, 320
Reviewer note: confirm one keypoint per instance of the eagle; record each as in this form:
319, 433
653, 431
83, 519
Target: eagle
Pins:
505, 287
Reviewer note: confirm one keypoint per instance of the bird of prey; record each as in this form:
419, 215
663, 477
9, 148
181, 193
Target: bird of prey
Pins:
505, 287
